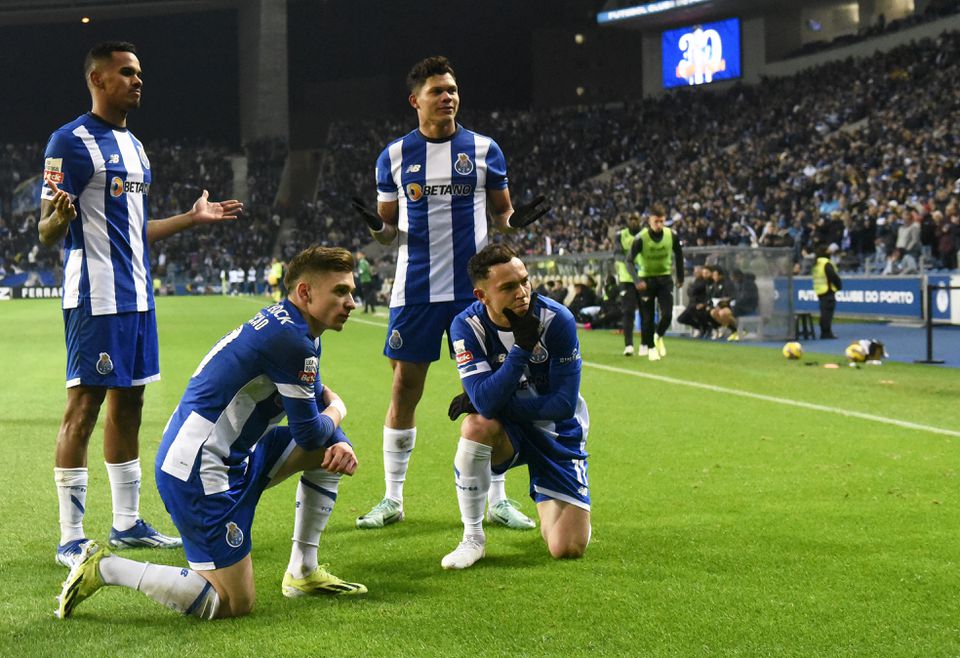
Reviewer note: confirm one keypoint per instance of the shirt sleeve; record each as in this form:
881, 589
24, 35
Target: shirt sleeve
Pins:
386, 186
496, 168
561, 402
66, 163
338, 435
292, 365
489, 390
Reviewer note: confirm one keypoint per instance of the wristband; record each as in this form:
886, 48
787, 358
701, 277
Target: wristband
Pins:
339, 406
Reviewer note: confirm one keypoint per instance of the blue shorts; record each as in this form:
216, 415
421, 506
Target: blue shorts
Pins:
216, 528
550, 479
415, 330
117, 351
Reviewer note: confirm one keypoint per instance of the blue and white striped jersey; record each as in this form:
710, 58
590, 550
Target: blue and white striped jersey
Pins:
539, 388
104, 169
441, 186
259, 373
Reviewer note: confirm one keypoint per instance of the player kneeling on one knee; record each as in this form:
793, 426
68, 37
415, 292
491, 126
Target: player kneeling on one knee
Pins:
211, 473
519, 362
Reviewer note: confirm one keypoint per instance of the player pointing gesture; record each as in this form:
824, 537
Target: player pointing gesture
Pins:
436, 188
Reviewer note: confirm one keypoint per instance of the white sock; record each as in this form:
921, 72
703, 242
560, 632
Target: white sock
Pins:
178, 588
472, 468
125, 491
316, 496
397, 446
498, 488
72, 494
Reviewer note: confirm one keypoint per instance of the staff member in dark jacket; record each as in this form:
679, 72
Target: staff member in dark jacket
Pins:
826, 282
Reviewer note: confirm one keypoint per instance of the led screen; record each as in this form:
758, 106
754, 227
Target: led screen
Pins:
701, 54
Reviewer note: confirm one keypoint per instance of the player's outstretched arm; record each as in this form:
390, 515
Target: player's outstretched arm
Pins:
55, 216
204, 211
383, 222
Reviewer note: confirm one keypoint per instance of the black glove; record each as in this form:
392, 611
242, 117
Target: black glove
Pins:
528, 213
526, 329
460, 405
372, 219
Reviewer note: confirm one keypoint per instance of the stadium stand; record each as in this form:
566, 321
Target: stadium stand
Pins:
846, 153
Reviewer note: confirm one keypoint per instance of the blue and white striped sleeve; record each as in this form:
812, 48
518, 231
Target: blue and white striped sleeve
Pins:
386, 185
496, 168
67, 163
489, 390
292, 366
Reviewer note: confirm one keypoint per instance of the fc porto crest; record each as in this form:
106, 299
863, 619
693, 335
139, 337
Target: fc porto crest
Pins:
234, 535
105, 364
464, 165
539, 354
396, 340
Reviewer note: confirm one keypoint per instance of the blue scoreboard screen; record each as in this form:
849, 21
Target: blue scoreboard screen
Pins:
701, 54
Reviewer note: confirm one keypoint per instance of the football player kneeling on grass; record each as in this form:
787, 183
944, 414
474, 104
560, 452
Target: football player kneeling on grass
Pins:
223, 447
519, 362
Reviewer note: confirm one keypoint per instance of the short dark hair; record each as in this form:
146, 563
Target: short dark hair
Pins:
425, 68
493, 254
658, 210
317, 259
104, 50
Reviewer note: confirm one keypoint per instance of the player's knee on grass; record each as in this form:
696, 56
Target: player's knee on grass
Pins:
566, 545
235, 602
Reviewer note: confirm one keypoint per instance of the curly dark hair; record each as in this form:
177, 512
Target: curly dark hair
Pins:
425, 68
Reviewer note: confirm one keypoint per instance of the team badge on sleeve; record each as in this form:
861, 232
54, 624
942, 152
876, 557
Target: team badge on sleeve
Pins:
309, 373
234, 535
464, 165
53, 170
396, 340
105, 364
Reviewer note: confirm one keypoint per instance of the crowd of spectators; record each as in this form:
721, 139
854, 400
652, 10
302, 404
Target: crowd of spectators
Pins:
844, 154
194, 259
858, 155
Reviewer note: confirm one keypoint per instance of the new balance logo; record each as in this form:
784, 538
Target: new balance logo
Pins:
413, 169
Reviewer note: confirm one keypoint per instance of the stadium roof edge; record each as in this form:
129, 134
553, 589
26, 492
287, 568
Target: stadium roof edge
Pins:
20, 12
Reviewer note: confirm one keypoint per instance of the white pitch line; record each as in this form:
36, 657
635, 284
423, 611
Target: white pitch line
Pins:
770, 398
754, 396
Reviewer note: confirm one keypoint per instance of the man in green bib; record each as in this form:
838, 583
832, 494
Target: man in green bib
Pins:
626, 274
654, 251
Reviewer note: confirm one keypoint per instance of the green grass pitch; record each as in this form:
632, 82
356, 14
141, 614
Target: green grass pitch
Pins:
724, 525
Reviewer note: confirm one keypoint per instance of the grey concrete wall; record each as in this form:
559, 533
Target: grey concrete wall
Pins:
264, 103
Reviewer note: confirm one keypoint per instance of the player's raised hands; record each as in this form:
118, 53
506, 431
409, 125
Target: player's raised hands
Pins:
373, 219
205, 211
340, 458
525, 328
529, 213
460, 405
61, 203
